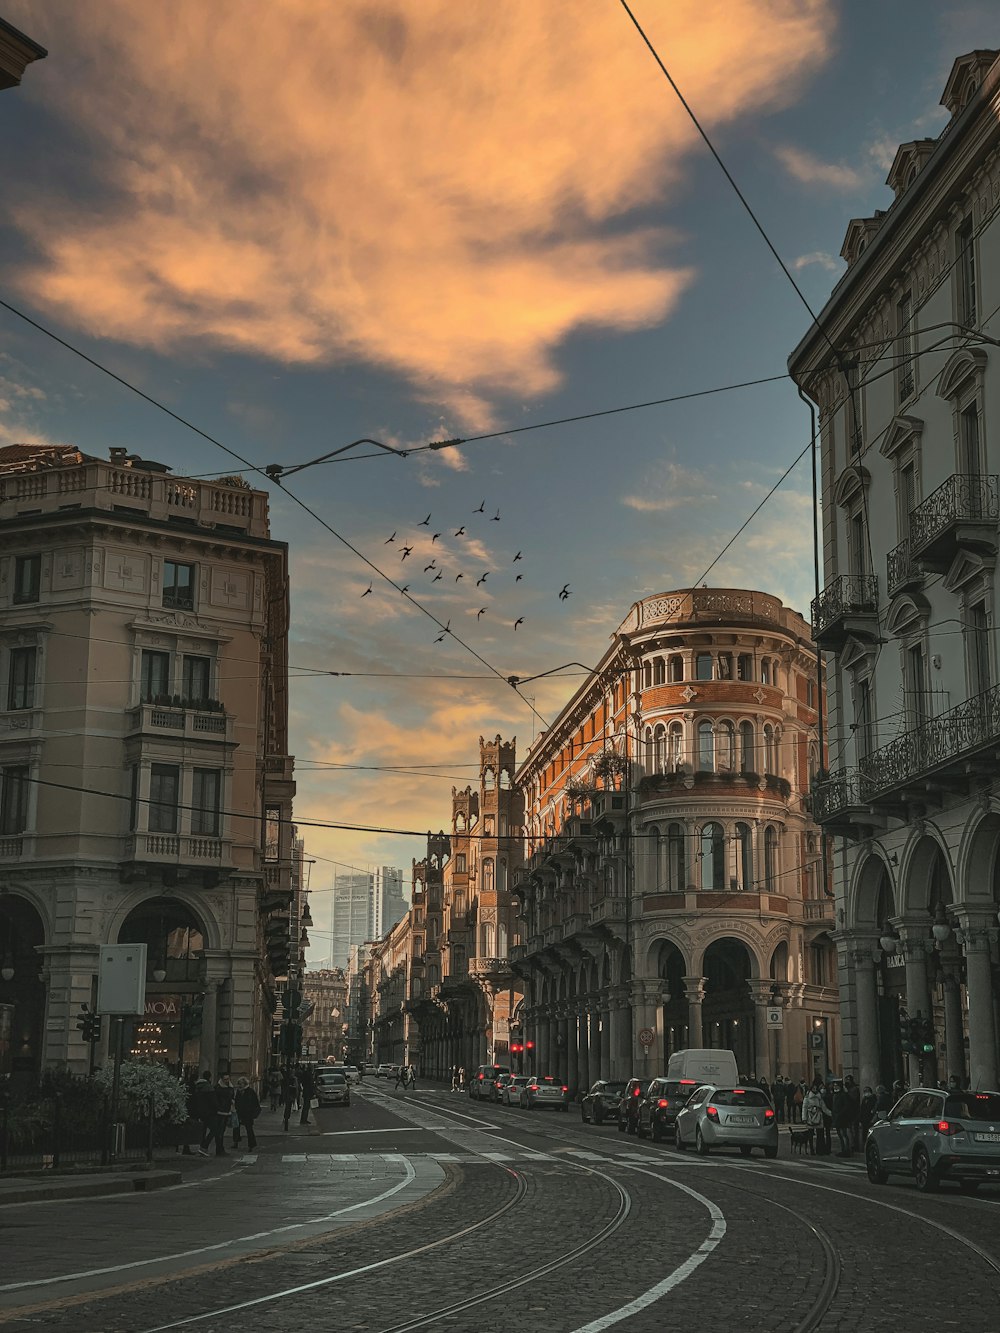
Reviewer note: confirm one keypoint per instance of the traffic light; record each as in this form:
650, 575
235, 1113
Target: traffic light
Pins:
191, 1020
88, 1024
905, 1035
922, 1034
529, 1047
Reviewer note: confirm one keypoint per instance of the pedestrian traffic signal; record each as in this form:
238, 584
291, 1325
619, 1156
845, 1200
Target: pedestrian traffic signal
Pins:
905, 1039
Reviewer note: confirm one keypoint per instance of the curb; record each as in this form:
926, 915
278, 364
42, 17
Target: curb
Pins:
92, 1187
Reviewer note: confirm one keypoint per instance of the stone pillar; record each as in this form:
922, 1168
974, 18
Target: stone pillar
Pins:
866, 1002
916, 943
606, 1039
622, 1052
760, 991
210, 1028
561, 1069
583, 1051
953, 1030
572, 1042
595, 1044
647, 1000
976, 934
694, 993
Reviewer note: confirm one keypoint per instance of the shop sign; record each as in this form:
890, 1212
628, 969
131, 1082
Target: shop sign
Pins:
164, 1008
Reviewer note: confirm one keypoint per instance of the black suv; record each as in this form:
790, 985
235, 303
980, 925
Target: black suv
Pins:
628, 1107
658, 1107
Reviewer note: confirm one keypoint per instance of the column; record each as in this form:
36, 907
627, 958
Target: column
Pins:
953, 1034
606, 1039
916, 941
982, 1022
583, 1051
866, 1003
647, 1000
760, 990
572, 1041
562, 1043
694, 993
210, 1028
595, 1044
622, 1052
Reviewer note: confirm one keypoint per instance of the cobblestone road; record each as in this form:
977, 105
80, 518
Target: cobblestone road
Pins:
428, 1212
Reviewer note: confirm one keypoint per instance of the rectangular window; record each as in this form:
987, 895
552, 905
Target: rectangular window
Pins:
725, 666
917, 683
460, 863
859, 544
197, 685
272, 832
164, 787
27, 578
864, 718
206, 791
178, 585
21, 680
13, 800
744, 667
703, 666
905, 378
968, 441
966, 275
810, 692
907, 493
979, 649
154, 676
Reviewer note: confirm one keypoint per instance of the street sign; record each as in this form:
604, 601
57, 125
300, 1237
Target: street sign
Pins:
647, 1036
817, 1040
775, 1018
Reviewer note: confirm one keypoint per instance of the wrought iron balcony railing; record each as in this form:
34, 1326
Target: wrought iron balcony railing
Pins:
846, 595
963, 498
901, 570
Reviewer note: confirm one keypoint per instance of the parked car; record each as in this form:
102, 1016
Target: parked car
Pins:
332, 1089
727, 1118
498, 1085
601, 1102
628, 1107
544, 1090
934, 1135
384, 1071
483, 1079
349, 1072
511, 1092
658, 1106
704, 1065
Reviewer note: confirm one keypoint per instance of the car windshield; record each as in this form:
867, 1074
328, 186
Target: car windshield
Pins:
333, 1078
521, 1079
973, 1105
612, 1089
739, 1097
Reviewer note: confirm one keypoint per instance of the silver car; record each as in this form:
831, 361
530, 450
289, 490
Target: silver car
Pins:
544, 1091
727, 1118
333, 1089
934, 1135
510, 1093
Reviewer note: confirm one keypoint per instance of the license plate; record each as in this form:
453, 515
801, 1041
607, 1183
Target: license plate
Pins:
987, 1138
742, 1120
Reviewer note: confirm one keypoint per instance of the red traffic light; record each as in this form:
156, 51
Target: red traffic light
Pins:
529, 1045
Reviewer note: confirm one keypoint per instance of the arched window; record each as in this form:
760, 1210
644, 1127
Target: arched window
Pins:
744, 857
706, 747
660, 748
725, 747
770, 750
647, 675
770, 858
659, 671
489, 779
460, 823
505, 779
676, 859
713, 858
488, 881
747, 748
502, 939
813, 760
675, 747
676, 669
486, 939
653, 847
650, 751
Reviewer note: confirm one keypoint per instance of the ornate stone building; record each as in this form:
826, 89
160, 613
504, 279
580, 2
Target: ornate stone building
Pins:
323, 1031
908, 613
145, 788
672, 892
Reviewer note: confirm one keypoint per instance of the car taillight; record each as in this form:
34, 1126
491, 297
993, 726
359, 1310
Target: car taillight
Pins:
768, 1113
565, 1089
948, 1127
636, 1092
663, 1102
481, 1077
711, 1112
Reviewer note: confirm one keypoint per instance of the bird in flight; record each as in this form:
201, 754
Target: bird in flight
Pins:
459, 576
425, 523
407, 550
496, 517
432, 565
481, 509
435, 537
460, 532
481, 612
518, 621
404, 589
565, 592
389, 539
437, 576
480, 582
518, 578
440, 638
516, 558
367, 591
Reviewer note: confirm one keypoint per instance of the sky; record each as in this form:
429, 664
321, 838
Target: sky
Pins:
299, 224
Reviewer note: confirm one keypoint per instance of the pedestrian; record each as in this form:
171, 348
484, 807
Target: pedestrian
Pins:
461, 1078
289, 1093
817, 1115
883, 1101
798, 1097
247, 1107
778, 1097
202, 1106
402, 1076
843, 1118
225, 1096
454, 1078
955, 1084
307, 1087
274, 1087
412, 1077
868, 1111
854, 1093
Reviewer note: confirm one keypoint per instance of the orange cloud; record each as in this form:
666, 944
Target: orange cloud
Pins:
426, 187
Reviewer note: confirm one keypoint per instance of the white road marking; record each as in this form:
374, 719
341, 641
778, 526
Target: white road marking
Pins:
348, 1133
220, 1245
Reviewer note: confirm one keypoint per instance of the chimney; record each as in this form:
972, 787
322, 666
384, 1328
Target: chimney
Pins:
118, 456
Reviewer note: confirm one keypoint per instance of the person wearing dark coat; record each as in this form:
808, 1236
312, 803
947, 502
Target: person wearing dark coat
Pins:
202, 1105
289, 1093
225, 1095
247, 1105
843, 1118
308, 1086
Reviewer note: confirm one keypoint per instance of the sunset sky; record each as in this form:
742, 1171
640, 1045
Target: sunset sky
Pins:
299, 223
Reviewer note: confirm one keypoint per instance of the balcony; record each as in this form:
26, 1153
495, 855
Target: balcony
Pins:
493, 968
608, 911
943, 753
819, 912
960, 515
184, 722
847, 607
179, 851
901, 570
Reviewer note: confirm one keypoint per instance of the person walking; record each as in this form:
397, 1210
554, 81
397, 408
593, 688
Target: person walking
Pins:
274, 1087
854, 1095
308, 1087
798, 1097
778, 1097
817, 1115
843, 1118
454, 1078
203, 1109
289, 1093
867, 1112
225, 1095
402, 1076
412, 1075
247, 1106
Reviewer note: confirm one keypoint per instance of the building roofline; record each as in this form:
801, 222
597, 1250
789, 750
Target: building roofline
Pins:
40, 52
135, 519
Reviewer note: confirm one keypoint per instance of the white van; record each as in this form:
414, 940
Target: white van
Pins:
706, 1066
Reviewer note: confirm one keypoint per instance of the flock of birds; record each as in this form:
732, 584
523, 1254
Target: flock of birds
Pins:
406, 550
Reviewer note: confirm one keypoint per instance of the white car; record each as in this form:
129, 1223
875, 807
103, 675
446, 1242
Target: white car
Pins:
350, 1072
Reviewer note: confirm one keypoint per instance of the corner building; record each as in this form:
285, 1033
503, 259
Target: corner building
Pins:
145, 785
672, 892
909, 410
